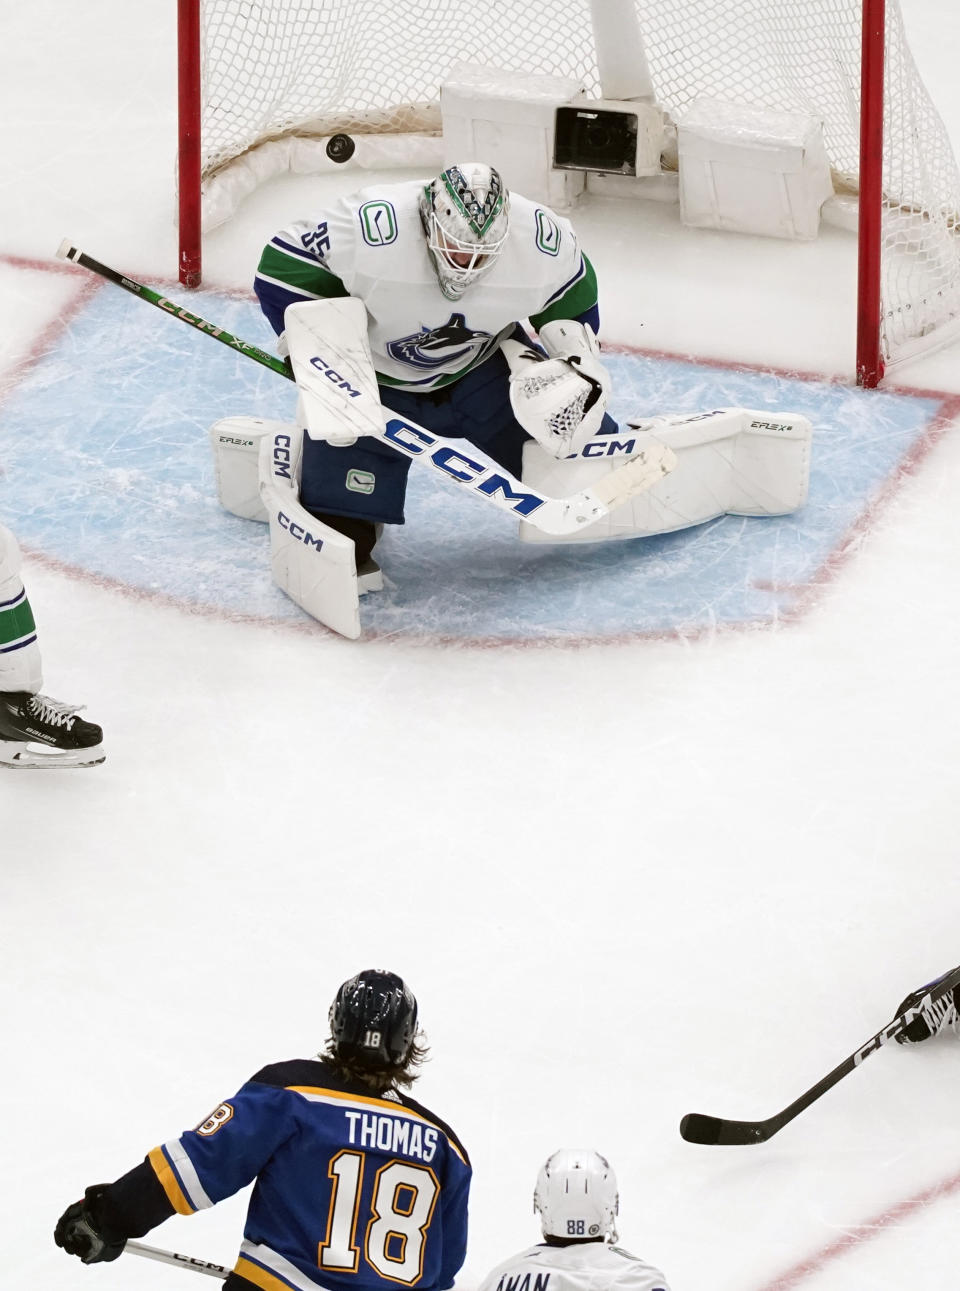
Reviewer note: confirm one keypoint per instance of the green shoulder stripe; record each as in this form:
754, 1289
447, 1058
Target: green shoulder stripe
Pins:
16, 622
577, 300
299, 275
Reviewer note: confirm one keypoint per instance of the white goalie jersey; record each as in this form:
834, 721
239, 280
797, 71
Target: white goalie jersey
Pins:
584, 1266
371, 245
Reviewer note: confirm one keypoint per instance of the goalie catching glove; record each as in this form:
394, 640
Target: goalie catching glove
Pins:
560, 400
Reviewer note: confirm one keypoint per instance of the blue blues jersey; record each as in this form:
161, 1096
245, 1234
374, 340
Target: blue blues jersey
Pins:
351, 1190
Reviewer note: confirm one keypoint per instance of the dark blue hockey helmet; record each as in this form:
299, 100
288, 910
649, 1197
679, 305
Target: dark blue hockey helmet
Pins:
373, 1020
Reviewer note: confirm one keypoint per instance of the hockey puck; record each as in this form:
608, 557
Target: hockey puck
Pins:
340, 147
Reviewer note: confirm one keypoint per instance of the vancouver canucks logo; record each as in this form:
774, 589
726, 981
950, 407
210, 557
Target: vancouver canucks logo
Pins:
432, 347
480, 212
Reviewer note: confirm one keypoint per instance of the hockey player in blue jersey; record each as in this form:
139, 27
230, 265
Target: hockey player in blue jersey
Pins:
357, 1187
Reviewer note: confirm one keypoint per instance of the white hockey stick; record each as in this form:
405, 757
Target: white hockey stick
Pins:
181, 1261
553, 515
473, 469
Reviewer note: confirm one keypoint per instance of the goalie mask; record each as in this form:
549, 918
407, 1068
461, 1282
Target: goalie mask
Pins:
465, 215
373, 1020
576, 1196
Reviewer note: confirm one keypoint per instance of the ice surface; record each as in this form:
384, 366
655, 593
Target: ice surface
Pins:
133, 499
644, 876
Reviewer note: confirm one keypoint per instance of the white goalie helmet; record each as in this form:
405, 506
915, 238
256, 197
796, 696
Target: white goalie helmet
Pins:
576, 1196
466, 214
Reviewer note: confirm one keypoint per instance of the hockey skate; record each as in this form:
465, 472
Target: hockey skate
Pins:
36, 731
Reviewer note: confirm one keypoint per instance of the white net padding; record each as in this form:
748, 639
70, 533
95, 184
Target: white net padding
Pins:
280, 73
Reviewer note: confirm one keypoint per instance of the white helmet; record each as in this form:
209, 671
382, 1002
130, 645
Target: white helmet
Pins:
576, 1196
465, 213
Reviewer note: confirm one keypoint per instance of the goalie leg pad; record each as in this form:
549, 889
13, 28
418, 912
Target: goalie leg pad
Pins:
236, 458
282, 459
730, 461
311, 562
771, 466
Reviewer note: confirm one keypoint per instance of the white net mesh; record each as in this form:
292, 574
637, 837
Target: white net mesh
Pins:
276, 67
805, 55
279, 68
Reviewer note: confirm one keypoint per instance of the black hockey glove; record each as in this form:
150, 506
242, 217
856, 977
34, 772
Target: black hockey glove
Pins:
932, 1020
80, 1232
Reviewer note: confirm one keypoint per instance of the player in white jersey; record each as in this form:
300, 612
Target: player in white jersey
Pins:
35, 731
446, 271
576, 1198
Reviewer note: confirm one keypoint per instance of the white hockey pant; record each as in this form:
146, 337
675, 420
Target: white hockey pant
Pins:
20, 666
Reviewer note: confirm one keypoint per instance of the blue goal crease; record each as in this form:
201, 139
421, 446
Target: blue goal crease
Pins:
124, 489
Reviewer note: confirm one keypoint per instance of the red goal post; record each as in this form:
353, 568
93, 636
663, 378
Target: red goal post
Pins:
261, 82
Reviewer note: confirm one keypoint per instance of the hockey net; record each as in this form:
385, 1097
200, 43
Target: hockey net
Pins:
276, 72
279, 74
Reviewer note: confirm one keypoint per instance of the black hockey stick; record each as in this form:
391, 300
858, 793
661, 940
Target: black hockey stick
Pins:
699, 1128
66, 251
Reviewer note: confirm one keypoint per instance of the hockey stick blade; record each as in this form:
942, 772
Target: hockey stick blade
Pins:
696, 1127
637, 475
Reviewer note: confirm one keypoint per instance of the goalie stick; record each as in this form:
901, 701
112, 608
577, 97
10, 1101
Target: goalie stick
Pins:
472, 469
181, 1261
699, 1128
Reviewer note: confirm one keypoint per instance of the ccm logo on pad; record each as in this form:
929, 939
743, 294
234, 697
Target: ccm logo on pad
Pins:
332, 375
297, 531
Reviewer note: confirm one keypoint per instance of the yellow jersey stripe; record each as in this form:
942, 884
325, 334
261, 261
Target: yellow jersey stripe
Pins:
258, 1275
337, 1095
169, 1182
